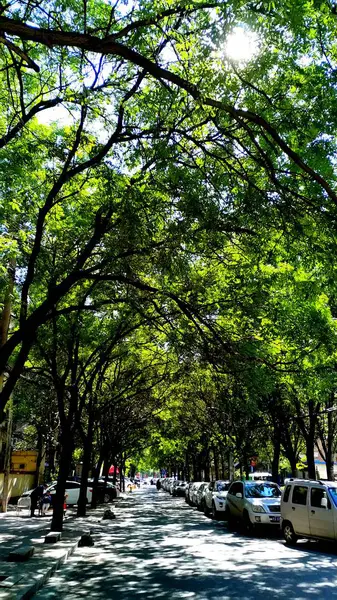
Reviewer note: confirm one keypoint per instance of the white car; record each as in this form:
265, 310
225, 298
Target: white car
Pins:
215, 498
194, 492
200, 501
72, 490
309, 510
254, 503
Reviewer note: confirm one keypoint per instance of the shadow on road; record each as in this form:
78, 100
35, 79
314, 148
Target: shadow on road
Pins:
159, 548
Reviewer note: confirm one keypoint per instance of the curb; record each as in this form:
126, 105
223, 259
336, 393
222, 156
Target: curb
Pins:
37, 574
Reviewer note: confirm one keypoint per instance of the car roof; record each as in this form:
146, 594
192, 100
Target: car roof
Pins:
311, 482
251, 482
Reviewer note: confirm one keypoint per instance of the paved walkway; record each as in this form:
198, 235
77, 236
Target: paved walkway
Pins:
158, 548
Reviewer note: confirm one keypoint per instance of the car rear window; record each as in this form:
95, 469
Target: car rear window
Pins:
300, 495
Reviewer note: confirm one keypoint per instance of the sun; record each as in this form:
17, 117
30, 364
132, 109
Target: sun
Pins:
241, 45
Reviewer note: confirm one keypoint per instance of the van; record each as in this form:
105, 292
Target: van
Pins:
309, 510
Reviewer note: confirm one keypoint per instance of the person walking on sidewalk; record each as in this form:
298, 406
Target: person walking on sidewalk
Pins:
35, 496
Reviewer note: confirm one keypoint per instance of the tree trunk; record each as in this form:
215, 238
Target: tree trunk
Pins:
310, 456
276, 455
223, 465
121, 473
87, 451
64, 468
7, 461
94, 486
230, 466
40, 453
115, 472
187, 467
4, 327
289, 450
216, 462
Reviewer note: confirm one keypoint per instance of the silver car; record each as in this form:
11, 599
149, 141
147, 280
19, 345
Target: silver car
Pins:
254, 503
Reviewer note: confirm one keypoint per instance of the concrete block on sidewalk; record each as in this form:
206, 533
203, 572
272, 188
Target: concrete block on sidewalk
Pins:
21, 553
52, 537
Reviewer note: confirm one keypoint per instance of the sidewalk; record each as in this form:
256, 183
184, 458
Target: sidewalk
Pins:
24, 579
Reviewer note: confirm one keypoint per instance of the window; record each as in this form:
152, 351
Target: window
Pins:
262, 490
333, 492
286, 493
316, 496
72, 485
300, 495
235, 488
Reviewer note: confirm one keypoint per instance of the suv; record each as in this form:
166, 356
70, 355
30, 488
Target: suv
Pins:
309, 509
254, 502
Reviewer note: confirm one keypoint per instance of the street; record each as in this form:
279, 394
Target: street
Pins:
160, 548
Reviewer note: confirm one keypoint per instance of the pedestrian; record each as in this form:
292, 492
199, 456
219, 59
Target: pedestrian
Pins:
158, 484
35, 496
45, 503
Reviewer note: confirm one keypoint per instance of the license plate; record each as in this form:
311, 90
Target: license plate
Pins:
275, 519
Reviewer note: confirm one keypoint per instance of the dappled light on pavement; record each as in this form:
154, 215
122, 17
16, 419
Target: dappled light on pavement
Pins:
160, 548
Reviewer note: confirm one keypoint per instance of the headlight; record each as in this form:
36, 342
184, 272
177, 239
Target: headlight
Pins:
257, 508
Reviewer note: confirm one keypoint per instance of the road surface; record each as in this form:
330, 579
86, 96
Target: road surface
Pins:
158, 548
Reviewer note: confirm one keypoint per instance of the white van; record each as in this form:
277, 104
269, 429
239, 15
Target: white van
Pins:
309, 510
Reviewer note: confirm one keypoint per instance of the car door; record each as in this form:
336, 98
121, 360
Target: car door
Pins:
234, 503
320, 519
299, 510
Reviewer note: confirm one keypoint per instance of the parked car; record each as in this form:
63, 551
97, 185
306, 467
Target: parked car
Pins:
254, 503
194, 492
215, 498
187, 491
200, 499
72, 490
106, 491
309, 510
179, 490
167, 482
173, 485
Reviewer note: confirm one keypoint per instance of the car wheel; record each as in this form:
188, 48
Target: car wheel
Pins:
248, 525
289, 533
106, 498
215, 514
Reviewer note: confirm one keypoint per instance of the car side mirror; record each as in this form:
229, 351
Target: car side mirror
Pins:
324, 503
238, 495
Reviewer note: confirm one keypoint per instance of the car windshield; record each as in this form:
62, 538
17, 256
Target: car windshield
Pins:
333, 494
222, 486
262, 490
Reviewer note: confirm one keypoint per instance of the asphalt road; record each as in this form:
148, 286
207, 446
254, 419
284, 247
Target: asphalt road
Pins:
158, 548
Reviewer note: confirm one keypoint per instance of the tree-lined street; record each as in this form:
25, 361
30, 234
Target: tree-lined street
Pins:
160, 548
